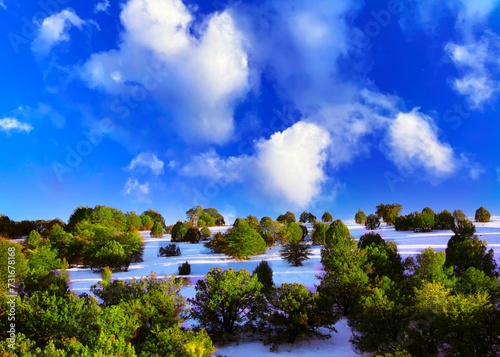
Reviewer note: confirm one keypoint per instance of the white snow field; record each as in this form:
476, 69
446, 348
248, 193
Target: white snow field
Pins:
201, 260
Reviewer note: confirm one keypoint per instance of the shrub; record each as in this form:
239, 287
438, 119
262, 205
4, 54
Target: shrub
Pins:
482, 215
372, 222
218, 244
178, 231
185, 269
360, 217
170, 250
388, 212
157, 230
403, 223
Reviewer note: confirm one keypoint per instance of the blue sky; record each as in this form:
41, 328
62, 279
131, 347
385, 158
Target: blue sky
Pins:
252, 107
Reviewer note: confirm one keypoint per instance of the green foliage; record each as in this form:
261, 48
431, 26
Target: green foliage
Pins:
156, 230
444, 220
388, 212
368, 239
465, 252
288, 217
112, 255
170, 250
293, 314
337, 232
464, 228
482, 215
147, 222
184, 269
193, 235
458, 215
218, 244
13, 260
424, 222
383, 260
295, 253
243, 241
372, 222
134, 221
208, 217
429, 267
205, 233
33, 241
269, 229
307, 217
264, 274
319, 233
156, 216
179, 230
360, 217
327, 217
290, 233
226, 302
108, 216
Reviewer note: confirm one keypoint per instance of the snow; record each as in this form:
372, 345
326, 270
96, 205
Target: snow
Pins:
201, 260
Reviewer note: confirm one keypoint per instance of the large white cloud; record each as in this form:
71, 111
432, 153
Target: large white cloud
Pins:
202, 78
55, 29
414, 143
12, 124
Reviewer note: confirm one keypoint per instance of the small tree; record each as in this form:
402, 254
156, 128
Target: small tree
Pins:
337, 232
368, 239
295, 253
482, 215
33, 241
424, 222
327, 217
388, 212
360, 217
372, 222
192, 235
288, 217
444, 220
319, 233
264, 274
157, 230
170, 250
178, 231
307, 217
243, 241
205, 232
184, 269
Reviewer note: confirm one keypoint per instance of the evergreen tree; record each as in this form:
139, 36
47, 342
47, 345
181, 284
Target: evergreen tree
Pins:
295, 253
156, 230
360, 217
482, 215
327, 217
264, 274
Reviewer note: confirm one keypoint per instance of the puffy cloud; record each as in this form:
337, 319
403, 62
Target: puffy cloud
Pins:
11, 124
477, 61
146, 161
55, 29
102, 6
290, 165
414, 144
210, 165
202, 76
135, 188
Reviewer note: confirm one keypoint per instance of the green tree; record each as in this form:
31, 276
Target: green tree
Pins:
205, 233
134, 221
193, 235
388, 212
444, 220
14, 261
269, 229
319, 233
157, 230
465, 252
295, 253
226, 302
429, 267
360, 217
464, 228
337, 231
243, 241
482, 215
184, 268
156, 216
147, 222
179, 230
112, 255
33, 241
424, 222
288, 217
290, 233
307, 217
368, 239
327, 217
264, 274
293, 314
372, 222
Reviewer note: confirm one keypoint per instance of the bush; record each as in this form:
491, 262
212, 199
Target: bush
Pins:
360, 217
170, 250
157, 230
178, 231
185, 269
482, 215
372, 222
388, 212
404, 223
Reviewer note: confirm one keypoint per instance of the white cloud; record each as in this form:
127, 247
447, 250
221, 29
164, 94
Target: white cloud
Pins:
146, 161
2, 5
477, 60
135, 188
290, 165
55, 29
102, 6
202, 76
414, 144
212, 166
11, 124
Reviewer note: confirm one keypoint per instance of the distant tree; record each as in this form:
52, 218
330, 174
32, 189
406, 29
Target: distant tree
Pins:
147, 222
319, 233
156, 216
264, 274
218, 244
112, 255
482, 215
288, 217
243, 241
424, 222
337, 231
360, 217
388, 212
178, 231
307, 217
226, 302
5, 224
444, 220
184, 269
464, 228
134, 221
327, 217
405, 223
368, 239
459, 215
33, 241
205, 233
295, 253
269, 229
157, 230
253, 221
372, 222
193, 235
290, 233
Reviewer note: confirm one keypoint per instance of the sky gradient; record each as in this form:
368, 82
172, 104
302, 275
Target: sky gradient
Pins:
252, 107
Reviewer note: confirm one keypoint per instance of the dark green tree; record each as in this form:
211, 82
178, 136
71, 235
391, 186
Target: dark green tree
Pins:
243, 241
444, 220
288, 217
372, 222
482, 215
178, 231
307, 217
264, 274
319, 233
295, 253
337, 231
360, 217
388, 212
327, 217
